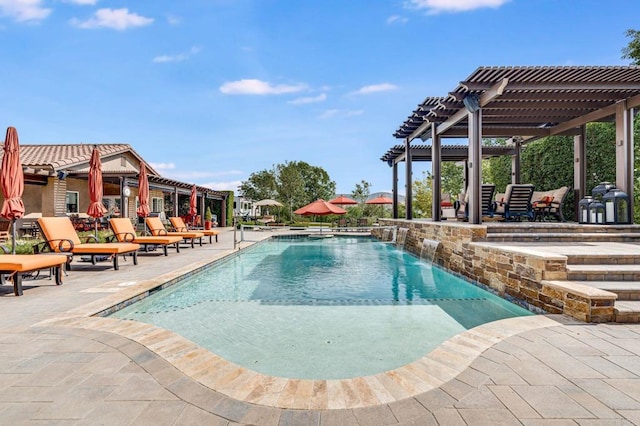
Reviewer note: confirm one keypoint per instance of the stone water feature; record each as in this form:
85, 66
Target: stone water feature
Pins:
429, 249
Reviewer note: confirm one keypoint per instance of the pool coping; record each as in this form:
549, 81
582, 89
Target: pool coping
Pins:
431, 371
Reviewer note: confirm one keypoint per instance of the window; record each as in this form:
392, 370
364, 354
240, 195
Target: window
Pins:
157, 204
72, 201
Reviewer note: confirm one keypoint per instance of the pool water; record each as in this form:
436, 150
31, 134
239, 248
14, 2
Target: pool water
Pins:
330, 308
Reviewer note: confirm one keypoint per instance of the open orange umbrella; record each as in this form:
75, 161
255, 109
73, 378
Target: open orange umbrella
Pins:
96, 208
379, 200
321, 208
343, 201
143, 191
12, 182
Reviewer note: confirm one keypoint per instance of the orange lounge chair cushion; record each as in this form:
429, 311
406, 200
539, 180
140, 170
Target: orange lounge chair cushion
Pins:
157, 228
122, 227
179, 224
30, 262
58, 229
105, 248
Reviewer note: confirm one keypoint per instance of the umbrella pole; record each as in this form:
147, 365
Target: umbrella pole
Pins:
96, 226
13, 236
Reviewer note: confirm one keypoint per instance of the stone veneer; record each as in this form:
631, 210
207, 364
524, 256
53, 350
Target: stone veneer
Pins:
534, 280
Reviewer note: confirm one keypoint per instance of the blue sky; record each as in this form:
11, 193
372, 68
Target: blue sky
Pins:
210, 91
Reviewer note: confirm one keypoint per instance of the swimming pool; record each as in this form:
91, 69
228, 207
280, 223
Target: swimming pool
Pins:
321, 309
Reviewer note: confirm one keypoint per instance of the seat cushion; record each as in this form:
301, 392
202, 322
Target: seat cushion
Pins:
30, 262
105, 248
162, 240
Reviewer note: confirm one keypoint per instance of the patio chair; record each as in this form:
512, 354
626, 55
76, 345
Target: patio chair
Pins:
61, 237
179, 225
156, 227
486, 201
124, 232
557, 197
15, 265
516, 203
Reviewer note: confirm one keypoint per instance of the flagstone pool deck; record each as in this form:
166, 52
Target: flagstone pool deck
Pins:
60, 366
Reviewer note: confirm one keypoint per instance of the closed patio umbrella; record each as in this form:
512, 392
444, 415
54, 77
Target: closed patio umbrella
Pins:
12, 182
96, 208
143, 191
193, 203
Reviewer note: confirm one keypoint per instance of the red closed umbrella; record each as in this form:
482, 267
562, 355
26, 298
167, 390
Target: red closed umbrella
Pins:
96, 208
321, 208
12, 182
193, 203
143, 191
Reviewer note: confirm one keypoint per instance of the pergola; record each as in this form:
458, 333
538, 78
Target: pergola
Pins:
524, 104
453, 153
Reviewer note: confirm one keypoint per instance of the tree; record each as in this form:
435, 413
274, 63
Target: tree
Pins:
294, 183
452, 178
423, 196
632, 51
260, 185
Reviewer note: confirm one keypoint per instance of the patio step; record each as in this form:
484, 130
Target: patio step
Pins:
603, 259
568, 237
626, 290
627, 311
603, 272
555, 228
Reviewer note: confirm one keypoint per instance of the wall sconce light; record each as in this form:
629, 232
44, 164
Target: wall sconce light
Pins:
62, 175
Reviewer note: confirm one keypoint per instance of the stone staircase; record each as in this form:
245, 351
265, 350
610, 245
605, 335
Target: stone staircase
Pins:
590, 261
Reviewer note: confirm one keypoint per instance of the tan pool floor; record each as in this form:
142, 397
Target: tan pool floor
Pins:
61, 366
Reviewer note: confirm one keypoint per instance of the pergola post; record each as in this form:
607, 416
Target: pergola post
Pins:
579, 166
436, 161
515, 161
475, 166
409, 193
624, 150
394, 207
175, 202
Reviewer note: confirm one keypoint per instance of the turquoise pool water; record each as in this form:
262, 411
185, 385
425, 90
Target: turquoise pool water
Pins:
321, 308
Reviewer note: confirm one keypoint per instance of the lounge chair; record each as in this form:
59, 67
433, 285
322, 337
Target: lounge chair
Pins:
156, 227
179, 225
486, 200
14, 265
124, 232
516, 203
557, 197
61, 237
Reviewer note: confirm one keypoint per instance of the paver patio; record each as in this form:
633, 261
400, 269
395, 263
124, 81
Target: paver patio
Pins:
564, 373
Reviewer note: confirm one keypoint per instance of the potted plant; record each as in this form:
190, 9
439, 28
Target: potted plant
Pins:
207, 218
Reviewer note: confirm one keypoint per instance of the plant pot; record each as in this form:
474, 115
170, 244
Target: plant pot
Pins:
207, 224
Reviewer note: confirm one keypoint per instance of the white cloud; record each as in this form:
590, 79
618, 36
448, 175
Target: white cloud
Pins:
374, 88
82, 2
24, 10
224, 186
331, 113
117, 19
258, 87
453, 6
163, 166
309, 100
397, 19
179, 57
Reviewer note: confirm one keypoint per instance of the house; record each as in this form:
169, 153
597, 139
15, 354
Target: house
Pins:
56, 183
